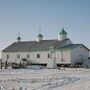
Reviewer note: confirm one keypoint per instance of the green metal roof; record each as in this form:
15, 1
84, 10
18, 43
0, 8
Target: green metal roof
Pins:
63, 32
72, 46
19, 38
39, 35
69, 47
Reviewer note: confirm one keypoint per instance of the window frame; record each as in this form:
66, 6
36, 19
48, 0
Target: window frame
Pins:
28, 55
38, 55
49, 56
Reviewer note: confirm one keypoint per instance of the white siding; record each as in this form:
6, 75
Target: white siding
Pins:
43, 56
79, 51
69, 56
33, 56
66, 56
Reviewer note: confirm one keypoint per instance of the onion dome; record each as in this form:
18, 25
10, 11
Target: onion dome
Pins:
63, 32
18, 38
39, 35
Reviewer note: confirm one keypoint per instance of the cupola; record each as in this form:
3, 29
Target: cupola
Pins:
39, 37
18, 38
62, 35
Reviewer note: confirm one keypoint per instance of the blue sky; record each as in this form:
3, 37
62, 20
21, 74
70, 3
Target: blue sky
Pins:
26, 16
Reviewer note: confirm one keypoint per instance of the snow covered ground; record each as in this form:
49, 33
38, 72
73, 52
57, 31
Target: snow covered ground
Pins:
45, 79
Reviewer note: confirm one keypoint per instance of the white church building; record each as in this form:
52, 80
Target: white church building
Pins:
52, 53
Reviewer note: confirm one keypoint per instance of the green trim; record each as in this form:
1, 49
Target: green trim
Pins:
64, 49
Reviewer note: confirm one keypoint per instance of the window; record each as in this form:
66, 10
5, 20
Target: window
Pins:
18, 56
38, 55
49, 55
28, 56
8, 56
62, 60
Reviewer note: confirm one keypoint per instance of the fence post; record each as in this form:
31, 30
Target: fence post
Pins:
5, 64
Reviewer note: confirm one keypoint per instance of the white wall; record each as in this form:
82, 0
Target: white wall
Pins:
66, 56
77, 52
33, 56
43, 56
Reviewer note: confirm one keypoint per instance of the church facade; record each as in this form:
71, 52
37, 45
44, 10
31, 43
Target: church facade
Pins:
46, 52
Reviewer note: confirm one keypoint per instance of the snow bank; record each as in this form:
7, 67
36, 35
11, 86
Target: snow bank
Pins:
35, 78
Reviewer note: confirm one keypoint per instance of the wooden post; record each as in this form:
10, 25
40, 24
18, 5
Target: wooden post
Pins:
5, 64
